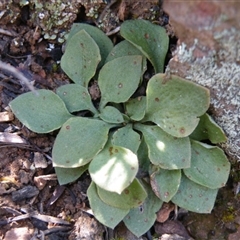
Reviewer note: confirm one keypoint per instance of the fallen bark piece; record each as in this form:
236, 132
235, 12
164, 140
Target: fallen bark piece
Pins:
40, 217
24, 193
45, 218
6, 137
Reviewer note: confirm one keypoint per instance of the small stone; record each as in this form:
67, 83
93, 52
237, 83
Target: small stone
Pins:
164, 212
24, 177
234, 236
39, 160
40, 182
22, 233
231, 227
6, 116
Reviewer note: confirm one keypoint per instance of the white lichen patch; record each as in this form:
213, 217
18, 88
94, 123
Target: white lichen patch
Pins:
218, 70
54, 17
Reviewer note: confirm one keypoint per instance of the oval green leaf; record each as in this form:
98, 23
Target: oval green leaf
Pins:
81, 58
105, 214
119, 79
165, 183
208, 129
111, 115
68, 175
78, 141
151, 39
102, 40
76, 98
175, 104
194, 197
209, 166
114, 168
135, 108
126, 137
42, 112
164, 150
139, 220
124, 48
133, 196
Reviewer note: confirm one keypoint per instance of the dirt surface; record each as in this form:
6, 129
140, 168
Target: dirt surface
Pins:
32, 204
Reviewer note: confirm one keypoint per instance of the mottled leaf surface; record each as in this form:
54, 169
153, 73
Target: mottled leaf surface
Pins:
139, 220
194, 197
81, 58
175, 104
102, 40
68, 175
78, 141
42, 112
111, 115
76, 98
151, 39
126, 137
208, 129
124, 48
119, 78
165, 183
133, 196
209, 165
105, 214
164, 150
135, 108
114, 168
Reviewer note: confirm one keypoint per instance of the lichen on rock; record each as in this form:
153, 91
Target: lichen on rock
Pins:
54, 17
213, 61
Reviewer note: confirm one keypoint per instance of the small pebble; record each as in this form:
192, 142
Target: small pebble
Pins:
39, 160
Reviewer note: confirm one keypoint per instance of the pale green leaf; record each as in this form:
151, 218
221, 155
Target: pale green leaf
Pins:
42, 112
68, 175
102, 40
209, 166
124, 48
76, 98
135, 108
175, 104
194, 197
164, 150
165, 183
119, 78
132, 196
151, 39
105, 214
208, 129
81, 58
78, 141
111, 115
126, 137
139, 220
114, 168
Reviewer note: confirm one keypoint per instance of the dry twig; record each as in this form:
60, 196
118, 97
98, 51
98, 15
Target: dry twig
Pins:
12, 70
